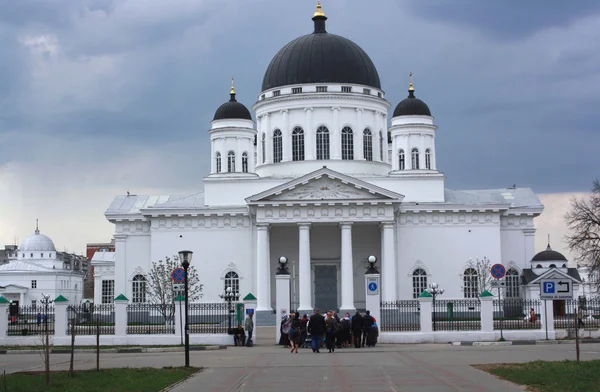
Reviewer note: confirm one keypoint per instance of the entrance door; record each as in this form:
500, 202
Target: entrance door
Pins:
326, 296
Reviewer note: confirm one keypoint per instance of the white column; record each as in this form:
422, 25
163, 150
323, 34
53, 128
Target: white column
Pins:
408, 153
373, 296
422, 152
238, 155
433, 157
347, 270
269, 138
213, 157
358, 142
304, 272
395, 149
426, 304
282, 299
263, 268
121, 317
388, 262
335, 140
180, 317
3, 320
60, 318
286, 134
529, 235
309, 136
259, 132
22, 299
487, 314
120, 264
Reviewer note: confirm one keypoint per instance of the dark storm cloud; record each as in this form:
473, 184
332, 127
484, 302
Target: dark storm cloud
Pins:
514, 88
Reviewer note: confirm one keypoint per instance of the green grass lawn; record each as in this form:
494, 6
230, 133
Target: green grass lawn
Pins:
565, 376
106, 380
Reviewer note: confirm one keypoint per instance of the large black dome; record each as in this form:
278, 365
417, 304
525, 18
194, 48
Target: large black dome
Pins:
412, 106
549, 255
321, 57
232, 110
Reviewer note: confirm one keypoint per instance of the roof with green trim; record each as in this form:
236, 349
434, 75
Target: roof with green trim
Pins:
60, 298
121, 297
249, 297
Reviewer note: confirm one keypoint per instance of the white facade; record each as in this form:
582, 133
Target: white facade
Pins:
325, 209
37, 271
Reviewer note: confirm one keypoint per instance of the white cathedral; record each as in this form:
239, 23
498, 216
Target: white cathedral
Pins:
324, 179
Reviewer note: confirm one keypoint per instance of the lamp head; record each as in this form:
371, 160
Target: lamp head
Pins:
434, 286
185, 257
283, 261
372, 259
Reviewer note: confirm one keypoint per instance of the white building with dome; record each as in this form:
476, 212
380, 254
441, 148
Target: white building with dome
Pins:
319, 173
38, 270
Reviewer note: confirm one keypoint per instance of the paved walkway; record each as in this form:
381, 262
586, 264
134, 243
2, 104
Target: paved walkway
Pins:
409, 368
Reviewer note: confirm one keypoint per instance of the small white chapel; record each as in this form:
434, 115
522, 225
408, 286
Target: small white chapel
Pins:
324, 170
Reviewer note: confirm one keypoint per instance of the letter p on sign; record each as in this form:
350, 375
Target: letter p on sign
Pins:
548, 287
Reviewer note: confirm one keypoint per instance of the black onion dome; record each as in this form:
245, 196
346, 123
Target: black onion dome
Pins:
321, 57
412, 106
549, 255
232, 109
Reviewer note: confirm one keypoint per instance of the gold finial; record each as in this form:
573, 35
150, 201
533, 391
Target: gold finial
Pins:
319, 11
232, 91
410, 84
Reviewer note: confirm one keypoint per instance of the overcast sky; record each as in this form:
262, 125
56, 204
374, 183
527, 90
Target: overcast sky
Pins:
98, 97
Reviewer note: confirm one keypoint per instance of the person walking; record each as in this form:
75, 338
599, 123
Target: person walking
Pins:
316, 329
367, 323
580, 323
249, 326
357, 328
284, 329
303, 332
294, 332
330, 332
346, 330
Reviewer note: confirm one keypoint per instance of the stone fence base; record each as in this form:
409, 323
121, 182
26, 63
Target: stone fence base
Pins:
113, 340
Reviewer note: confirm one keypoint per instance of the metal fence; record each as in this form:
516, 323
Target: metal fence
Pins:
210, 317
576, 313
400, 316
144, 318
517, 313
456, 315
90, 319
30, 320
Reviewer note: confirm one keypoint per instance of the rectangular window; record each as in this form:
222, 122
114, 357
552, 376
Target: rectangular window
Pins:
367, 91
33, 303
276, 93
296, 90
34, 284
108, 291
379, 95
346, 89
262, 96
321, 89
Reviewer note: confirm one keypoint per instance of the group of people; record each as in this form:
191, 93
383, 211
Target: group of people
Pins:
329, 330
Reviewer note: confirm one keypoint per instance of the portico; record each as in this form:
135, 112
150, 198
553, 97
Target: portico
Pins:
335, 206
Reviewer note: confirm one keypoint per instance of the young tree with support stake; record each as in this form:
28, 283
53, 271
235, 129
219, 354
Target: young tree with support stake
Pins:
159, 285
482, 268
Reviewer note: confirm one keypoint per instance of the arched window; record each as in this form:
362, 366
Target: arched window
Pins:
415, 159
245, 162
231, 162
277, 146
264, 148
232, 280
367, 145
512, 283
470, 283
218, 162
401, 160
419, 282
381, 145
322, 143
347, 143
552, 265
298, 144
538, 266
138, 289
428, 159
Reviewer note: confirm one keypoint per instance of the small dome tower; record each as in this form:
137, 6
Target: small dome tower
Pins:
232, 139
413, 136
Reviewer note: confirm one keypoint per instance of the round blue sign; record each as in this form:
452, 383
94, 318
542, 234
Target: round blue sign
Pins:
178, 275
372, 286
498, 271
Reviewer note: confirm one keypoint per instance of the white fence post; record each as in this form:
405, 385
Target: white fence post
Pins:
426, 304
121, 315
373, 294
547, 317
487, 311
179, 316
61, 305
282, 299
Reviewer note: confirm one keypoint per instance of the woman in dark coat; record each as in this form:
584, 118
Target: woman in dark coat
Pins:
294, 333
330, 332
284, 329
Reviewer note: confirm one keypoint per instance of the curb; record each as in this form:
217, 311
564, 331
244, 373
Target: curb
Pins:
178, 383
525, 342
136, 350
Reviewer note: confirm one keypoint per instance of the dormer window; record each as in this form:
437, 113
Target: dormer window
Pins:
367, 91
262, 96
296, 90
41, 255
321, 89
346, 89
276, 93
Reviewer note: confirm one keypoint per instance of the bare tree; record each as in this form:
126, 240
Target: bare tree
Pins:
159, 285
484, 278
45, 339
583, 221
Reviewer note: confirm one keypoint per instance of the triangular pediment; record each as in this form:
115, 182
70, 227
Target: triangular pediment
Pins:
327, 185
554, 274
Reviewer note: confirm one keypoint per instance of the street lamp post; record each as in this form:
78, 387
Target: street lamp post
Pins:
229, 295
434, 290
372, 269
185, 257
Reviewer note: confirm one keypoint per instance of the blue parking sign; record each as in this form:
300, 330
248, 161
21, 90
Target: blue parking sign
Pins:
549, 288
